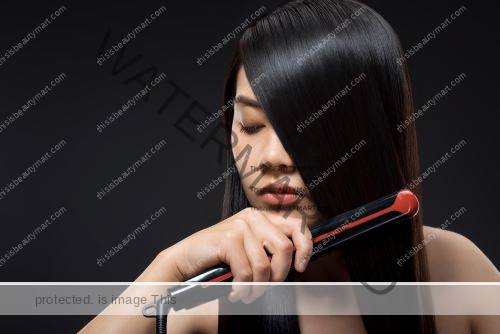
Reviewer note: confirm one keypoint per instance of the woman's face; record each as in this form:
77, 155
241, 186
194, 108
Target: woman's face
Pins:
281, 181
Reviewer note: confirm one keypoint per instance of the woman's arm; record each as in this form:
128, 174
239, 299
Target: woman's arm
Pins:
240, 241
162, 269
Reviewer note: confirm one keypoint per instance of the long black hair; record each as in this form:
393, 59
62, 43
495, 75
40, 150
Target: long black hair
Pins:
310, 51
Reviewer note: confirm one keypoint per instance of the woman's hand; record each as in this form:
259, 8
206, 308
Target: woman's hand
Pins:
241, 242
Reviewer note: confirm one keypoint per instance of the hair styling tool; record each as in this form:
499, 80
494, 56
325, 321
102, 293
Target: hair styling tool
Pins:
392, 208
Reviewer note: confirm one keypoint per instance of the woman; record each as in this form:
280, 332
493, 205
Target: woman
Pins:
332, 94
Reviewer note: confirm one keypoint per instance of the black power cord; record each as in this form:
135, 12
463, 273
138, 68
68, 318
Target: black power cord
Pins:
161, 324
161, 309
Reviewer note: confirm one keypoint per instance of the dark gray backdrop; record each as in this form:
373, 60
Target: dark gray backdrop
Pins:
69, 248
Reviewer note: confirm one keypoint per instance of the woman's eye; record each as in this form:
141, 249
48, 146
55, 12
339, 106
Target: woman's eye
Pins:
249, 129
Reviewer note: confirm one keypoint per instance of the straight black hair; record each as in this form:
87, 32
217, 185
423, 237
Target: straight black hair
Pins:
360, 53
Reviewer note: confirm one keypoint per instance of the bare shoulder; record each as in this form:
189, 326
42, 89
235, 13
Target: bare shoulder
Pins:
202, 319
454, 258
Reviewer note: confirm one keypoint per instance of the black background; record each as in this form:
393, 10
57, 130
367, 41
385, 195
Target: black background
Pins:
69, 248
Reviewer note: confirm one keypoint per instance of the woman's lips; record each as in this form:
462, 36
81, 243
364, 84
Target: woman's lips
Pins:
277, 198
278, 194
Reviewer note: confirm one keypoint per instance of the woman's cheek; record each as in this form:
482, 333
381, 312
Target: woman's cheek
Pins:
236, 153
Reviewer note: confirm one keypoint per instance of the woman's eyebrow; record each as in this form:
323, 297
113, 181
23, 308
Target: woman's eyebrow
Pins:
242, 99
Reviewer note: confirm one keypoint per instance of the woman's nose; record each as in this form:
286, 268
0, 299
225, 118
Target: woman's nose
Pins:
273, 153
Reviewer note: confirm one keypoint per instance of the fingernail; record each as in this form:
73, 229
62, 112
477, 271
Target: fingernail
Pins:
247, 300
232, 297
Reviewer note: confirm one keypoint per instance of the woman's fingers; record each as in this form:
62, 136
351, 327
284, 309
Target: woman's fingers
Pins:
303, 247
277, 244
249, 253
301, 240
240, 268
261, 266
